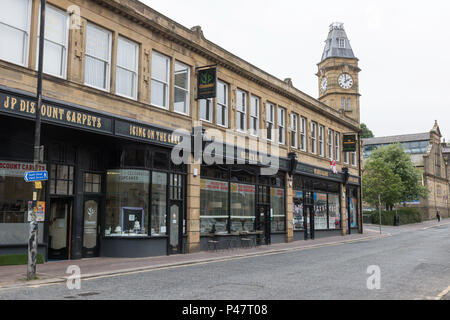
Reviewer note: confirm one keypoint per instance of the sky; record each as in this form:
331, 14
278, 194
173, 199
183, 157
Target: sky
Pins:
403, 49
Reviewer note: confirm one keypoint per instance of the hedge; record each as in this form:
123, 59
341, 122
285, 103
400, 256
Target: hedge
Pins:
406, 215
18, 259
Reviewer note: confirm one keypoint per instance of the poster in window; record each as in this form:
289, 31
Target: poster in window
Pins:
132, 219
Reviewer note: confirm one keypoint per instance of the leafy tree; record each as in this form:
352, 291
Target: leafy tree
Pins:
366, 133
392, 160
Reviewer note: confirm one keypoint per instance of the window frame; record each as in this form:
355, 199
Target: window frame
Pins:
303, 131
294, 130
186, 91
168, 64
210, 113
270, 107
254, 118
221, 84
241, 112
136, 72
330, 143
26, 42
281, 121
321, 140
313, 128
337, 145
108, 63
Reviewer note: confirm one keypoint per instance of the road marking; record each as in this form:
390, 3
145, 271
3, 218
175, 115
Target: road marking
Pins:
441, 295
436, 226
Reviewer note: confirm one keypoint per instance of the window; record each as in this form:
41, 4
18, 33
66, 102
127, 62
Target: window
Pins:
354, 159
159, 197
92, 183
242, 207
160, 80
343, 101
127, 68
330, 144
15, 30
241, 110
334, 215
61, 180
206, 106
222, 104
349, 104
294, 129
303, 134
320, 212
278, 211
346, 156
281, 126
313, 138
181, 86
55, 42
213, 206
254, 116
270, 115
98, 57
321, 141
337, 143
341, 42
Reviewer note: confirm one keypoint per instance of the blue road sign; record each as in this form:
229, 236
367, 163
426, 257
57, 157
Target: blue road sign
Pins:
36, 176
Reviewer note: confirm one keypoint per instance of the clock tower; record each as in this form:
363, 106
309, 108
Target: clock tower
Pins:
338, 74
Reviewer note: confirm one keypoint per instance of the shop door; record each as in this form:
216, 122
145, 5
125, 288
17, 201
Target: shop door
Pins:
91, 227
263, 225
309, 222
60, 227
176, 224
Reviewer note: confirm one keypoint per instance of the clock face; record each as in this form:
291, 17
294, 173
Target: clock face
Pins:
345, 81
324, 84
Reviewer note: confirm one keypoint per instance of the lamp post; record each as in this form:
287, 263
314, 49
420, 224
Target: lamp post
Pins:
379, 209
33, 236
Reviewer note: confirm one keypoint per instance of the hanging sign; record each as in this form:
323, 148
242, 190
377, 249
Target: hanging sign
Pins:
206, 82
349, 143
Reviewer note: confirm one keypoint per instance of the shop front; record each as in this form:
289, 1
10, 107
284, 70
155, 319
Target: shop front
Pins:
112, 190
353, 205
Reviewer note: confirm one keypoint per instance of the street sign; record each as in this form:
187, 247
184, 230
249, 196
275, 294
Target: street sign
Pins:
36, 176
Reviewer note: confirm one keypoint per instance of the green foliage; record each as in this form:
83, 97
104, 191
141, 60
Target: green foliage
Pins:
18, 259
406, 215
366, 133
390, 172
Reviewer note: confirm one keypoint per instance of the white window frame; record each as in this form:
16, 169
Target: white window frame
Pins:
337, 144
321, 140
65, 45
349, 104
255, 103
303, 144
346, 158
26, 44
344, 103
186, 91
270, 119
354, 159
221, 105
294, 130
241, 110
166, 84
210, 114
341, 42
108, 62
330, 144
313, 137
135, 72
281, 125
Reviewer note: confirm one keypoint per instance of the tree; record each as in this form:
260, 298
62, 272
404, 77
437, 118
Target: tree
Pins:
366, 133
396, 164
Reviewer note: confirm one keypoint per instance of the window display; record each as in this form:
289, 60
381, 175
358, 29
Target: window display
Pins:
334, 211
242, 207
159, 196
127, 194
213, 206
278, 212
320, 211
298, 211
353, 212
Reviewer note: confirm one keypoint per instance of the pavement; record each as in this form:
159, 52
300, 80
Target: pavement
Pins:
56, 272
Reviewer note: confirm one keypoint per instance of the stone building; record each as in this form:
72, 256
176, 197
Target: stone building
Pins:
119, 79
428, 154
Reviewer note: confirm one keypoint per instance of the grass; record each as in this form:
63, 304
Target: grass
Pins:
18, 259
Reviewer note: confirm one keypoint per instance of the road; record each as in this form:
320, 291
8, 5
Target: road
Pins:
413, 264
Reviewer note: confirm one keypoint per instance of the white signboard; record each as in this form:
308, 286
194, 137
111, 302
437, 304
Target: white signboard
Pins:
18, 169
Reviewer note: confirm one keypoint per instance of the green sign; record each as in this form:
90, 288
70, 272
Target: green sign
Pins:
349, 143
206, 82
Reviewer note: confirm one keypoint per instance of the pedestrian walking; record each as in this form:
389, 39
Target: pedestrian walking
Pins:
438, 216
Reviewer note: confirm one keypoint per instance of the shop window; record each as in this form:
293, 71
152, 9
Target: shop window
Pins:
334, 211
133, 157
263, 195
278, 212
320, 211
298, 211
213, 206
61, 180
127, 196
97, 57
242, 207
55, 42
127, 68
161, 161
243, 176
92, 183
353, 204
15, 30
159, 203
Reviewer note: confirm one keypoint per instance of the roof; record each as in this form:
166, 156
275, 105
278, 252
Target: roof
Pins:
332, 47
395, 139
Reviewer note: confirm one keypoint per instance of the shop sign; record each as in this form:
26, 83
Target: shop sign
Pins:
349, 141
276, 192
55, 113
214, 185
242, 188
39, 211
353, 180
206, 82
146, 133
129, 176
18, 169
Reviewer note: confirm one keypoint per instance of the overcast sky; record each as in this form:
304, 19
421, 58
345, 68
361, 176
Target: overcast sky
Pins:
403, 47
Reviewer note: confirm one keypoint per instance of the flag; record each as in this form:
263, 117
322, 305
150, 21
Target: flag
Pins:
333, 166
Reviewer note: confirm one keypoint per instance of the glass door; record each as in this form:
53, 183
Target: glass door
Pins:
263, 225
60, 226
176, 223
91, 230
